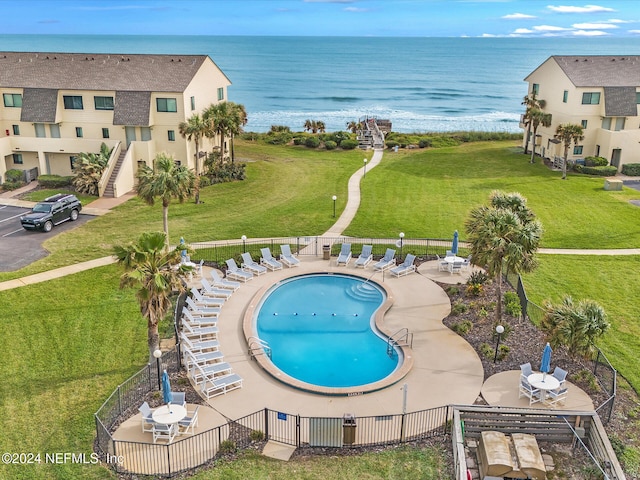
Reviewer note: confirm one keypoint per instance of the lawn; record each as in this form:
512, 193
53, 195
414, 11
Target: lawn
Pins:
73, 340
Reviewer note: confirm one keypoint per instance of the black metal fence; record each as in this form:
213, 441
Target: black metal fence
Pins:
599, 365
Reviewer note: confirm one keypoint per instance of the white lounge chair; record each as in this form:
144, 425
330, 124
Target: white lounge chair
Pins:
250, 265
211, 370
234, 272
387, 261
268, 261
188, 422
198, 321
220, 385
287, 257
365, 256
201, 311
209, 290
199, 333
202, 301
405, 267
345, 255
205, 358
196, 347
220, 282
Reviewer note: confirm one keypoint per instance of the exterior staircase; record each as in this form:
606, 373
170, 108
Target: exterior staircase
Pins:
108, 191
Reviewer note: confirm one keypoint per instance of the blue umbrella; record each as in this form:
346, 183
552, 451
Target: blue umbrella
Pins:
454, 246
545, 364
184, 250
166, 387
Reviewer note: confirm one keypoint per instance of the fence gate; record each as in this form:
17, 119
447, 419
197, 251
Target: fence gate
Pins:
282, 427
29, 175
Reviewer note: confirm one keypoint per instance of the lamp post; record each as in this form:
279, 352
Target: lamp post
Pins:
365, 168
401, 235
334, 198
499, 331
244, 240
157, 353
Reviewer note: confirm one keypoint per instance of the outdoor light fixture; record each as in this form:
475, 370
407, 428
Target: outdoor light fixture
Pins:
365, 167
499, 331
401, 235
334, 198
244, 240
157, 353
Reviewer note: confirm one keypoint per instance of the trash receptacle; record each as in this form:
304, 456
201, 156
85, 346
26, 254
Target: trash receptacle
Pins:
326, 252
348, 429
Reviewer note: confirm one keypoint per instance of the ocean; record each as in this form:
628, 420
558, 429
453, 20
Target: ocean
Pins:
420, 84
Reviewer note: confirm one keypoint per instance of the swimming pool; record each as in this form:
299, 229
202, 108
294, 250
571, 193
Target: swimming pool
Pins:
323, 335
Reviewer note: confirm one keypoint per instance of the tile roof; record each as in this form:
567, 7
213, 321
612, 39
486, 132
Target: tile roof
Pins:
620, 102
39, 105
132, 108
80, 71
601, 70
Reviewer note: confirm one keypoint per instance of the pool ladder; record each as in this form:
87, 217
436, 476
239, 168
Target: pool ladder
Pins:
402, 338
257, 346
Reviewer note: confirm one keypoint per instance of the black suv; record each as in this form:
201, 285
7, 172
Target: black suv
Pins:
52, 211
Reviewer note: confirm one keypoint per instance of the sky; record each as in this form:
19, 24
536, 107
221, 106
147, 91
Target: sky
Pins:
383, 18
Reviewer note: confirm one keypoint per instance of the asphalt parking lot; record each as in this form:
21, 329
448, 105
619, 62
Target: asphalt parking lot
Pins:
19, 247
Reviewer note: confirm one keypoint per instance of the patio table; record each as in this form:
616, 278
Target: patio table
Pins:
169, 414
543, 383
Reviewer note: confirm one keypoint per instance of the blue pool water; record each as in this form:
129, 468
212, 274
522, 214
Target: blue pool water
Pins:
320, 330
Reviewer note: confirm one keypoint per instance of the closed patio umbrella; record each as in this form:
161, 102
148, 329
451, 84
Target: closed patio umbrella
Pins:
183, 253
545, 364
454, 245
166, 388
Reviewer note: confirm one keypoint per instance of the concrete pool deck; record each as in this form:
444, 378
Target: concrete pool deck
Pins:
446, 368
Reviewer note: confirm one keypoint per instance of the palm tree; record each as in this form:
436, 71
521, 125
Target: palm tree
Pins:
321, 126
538, 117
165, 180
574, 326
149, 268
223, 118
308, 125
238, 121
531, 102
353, 127
88, 169
194, 129
567, 133
504, 237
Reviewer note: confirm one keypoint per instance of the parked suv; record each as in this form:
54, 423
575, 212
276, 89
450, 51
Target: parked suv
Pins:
52, 211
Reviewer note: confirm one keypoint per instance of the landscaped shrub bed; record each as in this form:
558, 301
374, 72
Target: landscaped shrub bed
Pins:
631, 169
604, 171
54, 181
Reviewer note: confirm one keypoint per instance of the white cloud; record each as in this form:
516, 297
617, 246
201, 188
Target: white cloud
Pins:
518, 16
634, 31
594, 26
355, 9
590, 33
523, 31
488, 35
574, 9
617, 20
549, 28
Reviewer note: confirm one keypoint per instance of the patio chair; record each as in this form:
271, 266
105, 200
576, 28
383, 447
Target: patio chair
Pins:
221, 385
561, 376
345, 255
203, 301
199, 333
387, 261
525, 369
287, 257
449, 254
455, 267
209, 290
220, 282
198, 269
162, 431
193, 359
189, 422
199, 310
442, 265
467, 263
201, 371
557, 396
250, 265
147, 419
198, 347
365, 256
178, 398
197, 321
526, 390
237, 274
405, 267
268, 261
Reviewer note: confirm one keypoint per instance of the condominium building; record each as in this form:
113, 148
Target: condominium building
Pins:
56, 105
600, 93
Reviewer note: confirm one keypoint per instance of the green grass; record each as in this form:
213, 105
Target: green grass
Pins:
401, 463
39, 195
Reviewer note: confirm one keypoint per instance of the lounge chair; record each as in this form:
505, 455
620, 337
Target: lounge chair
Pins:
202, 301
387, 261
365, 256
221, 385
198, 321
201, 311
188, 422
199, 333
234, 272
220, 282
345, 255
268, 261
210, 370
250, 265
287, 257
204, 358
405, 267
198, 347
209, 290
